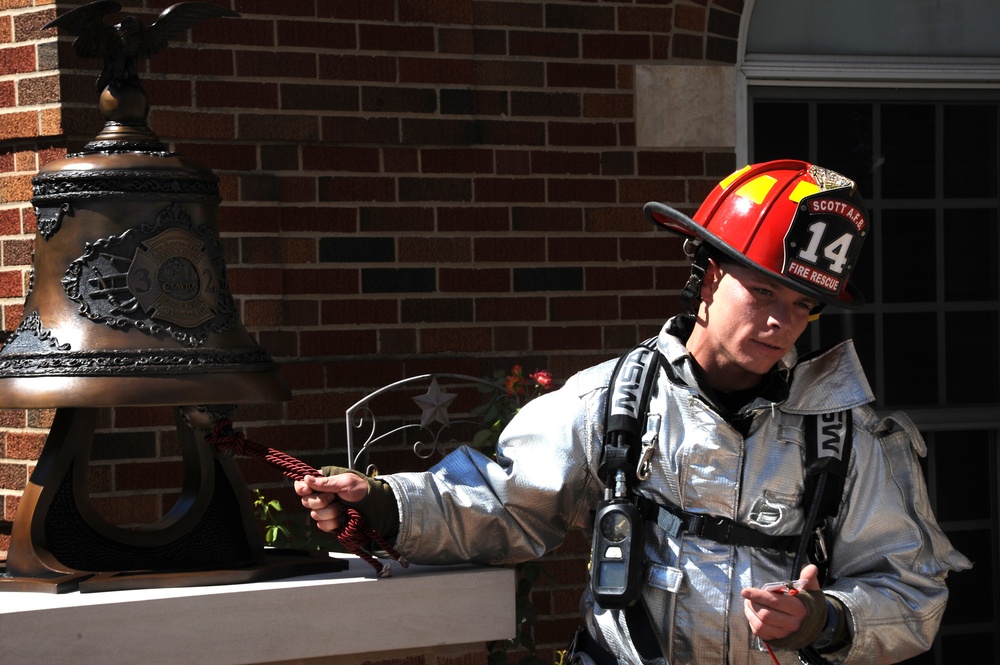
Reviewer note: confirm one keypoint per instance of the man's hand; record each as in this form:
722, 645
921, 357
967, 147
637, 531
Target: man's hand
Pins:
774, 616
320, 493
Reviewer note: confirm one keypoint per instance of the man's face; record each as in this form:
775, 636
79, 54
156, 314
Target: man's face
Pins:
746, 323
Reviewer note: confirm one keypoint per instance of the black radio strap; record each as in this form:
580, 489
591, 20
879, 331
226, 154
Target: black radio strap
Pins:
625, 415
829, 439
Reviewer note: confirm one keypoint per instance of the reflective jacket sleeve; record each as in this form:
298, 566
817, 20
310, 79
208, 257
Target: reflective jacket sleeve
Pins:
890, 558
471, 508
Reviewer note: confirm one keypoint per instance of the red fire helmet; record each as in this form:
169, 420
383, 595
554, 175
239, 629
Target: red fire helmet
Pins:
801, 224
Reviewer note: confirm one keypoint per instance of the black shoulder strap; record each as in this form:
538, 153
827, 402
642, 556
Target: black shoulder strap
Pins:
829, 440
624, 416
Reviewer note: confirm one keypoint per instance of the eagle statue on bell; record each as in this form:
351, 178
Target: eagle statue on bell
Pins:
128, 304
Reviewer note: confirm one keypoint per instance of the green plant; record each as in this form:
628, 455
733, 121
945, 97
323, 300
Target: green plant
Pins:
284, 530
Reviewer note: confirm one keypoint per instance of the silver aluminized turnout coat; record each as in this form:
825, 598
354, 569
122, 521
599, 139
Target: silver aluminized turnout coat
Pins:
889, 558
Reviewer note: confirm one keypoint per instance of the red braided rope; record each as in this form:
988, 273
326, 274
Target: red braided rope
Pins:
354, 535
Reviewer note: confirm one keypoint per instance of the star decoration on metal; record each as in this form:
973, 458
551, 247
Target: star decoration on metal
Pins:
434, 404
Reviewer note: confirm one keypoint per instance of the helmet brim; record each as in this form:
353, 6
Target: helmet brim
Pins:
676, 222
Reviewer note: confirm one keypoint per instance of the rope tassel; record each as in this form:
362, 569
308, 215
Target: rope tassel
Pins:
355, 535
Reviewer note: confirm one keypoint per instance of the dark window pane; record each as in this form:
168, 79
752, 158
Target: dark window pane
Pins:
780, 131
907, 151
972, 357
963, 473
970, 151
909, 272
969, 648
911, 373
844, 142
970, 255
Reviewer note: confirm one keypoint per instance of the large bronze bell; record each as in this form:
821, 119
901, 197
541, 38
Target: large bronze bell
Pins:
129, 305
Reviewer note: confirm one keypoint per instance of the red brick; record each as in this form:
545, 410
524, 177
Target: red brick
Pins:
371, 10
245, 31
11, 284
8, 94
474, 280
511, 309
524, 250
287, 7
192, 61
688, 17
374, 37
616, 47
650, 189
379, 131
13, 476
559, 339
239, 94
284, 127
508, 190
509, 132
333, 342
370, 311
580, 75
17, 252
316, 34
591, 134
290, 65
371, 68
440, 11
396, 218
619, 278
256, 281
319, 219
297, 190
650, 20
456, 160
357, 189
484, 219
452, 71
455, 340
596, 105
544, 44
319, 281
435, 250
585, 308
618, 220
507, 73
581, 189
18, 125
17, 60
687, 46
508, 14
338, 158
545, 103
553, 220
183, 124
225, 156
581, 250
555, 161
436, 310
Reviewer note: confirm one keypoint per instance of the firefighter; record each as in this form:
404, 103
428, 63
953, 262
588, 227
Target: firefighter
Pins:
771, 246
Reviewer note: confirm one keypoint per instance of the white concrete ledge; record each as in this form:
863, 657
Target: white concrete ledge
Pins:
342, 617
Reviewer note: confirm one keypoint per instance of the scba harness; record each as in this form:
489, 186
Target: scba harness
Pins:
630, 440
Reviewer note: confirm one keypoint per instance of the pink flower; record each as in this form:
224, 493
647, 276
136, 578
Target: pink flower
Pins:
543, 378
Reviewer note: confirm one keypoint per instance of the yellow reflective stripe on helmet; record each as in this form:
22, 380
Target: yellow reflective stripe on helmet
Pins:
802, 189
756, 190
733, 176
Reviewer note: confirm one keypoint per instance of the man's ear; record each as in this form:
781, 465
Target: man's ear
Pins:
713, 275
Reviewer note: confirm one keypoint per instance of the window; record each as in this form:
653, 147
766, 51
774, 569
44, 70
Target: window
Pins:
926, 163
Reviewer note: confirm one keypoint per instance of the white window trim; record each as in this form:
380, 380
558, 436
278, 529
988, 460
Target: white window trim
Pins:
763, 69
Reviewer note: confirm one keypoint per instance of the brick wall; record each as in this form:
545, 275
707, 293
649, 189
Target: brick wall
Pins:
408, 186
